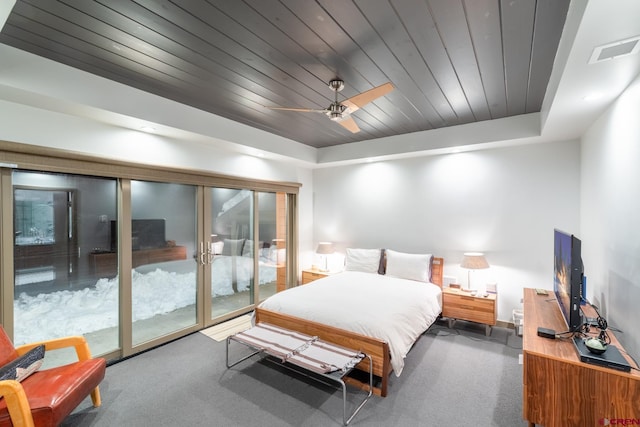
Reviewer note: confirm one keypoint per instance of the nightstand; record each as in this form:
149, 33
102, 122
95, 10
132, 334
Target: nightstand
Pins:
461, 305
309, 275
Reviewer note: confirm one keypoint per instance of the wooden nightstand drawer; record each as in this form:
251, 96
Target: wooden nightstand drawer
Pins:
311, 275
473, 314
469, 303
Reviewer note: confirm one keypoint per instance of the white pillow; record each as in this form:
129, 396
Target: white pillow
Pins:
366, 260
409, 266
217, 247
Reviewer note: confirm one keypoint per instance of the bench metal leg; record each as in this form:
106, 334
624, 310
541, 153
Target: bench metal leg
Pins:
239, 360
366, 398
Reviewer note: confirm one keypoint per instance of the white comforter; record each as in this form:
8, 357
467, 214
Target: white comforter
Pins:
391, 309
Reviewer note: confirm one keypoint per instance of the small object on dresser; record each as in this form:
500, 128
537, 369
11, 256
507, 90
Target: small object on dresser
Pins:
541, 291
455, 286
546, 333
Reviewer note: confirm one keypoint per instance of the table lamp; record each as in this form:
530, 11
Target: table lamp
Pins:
473, 261
324, 249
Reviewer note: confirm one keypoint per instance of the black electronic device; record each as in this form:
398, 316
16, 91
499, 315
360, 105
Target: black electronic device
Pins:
612, 358
546, 333
568, 275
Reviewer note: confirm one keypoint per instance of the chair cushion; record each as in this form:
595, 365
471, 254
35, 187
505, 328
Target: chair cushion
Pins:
54, 393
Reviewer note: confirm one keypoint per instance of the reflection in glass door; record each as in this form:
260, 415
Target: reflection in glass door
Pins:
60, 232
232, 250
73, 234
45, 237
272, 243
163, 243
238, 259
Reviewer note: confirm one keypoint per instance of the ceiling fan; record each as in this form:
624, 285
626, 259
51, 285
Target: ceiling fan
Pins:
339, 111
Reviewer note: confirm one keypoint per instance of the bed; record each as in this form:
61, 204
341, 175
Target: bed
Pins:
361, 308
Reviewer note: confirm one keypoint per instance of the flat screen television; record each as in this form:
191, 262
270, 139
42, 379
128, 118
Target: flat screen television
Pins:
145, 234
567, 277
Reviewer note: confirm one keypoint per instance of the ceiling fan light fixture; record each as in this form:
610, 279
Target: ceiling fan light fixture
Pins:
336, 85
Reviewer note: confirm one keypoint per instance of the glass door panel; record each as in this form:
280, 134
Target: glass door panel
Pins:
232, 250
272, 244
61, 224
163, 243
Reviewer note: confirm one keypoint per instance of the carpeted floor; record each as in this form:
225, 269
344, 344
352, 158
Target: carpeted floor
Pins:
452, 377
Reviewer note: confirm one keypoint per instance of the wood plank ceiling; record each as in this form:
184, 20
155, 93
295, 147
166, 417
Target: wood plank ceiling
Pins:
451, 61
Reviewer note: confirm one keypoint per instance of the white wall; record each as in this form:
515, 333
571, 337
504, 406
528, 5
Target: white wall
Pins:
610, 214
504, 202
31, 125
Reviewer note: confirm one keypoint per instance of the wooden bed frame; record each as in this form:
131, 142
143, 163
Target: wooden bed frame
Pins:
374, 347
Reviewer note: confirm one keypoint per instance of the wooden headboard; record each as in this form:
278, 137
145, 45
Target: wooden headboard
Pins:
437, 269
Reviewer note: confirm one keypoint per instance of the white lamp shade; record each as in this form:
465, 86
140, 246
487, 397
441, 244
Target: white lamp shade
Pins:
324, 248
474, 261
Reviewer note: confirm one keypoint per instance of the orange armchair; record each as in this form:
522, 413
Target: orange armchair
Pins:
47, 396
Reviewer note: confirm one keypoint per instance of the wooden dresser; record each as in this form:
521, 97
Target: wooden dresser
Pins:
559, 389
105, 264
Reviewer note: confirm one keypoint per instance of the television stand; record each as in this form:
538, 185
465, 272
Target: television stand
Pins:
559, 389
105, 264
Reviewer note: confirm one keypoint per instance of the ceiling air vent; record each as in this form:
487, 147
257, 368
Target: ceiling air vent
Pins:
615, 50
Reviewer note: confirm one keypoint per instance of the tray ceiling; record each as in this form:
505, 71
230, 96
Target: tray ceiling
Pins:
451, 62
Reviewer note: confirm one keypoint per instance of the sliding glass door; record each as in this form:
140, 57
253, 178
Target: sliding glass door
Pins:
231, 250
273, 238
247, 248
163, 259
60, 229
133, 263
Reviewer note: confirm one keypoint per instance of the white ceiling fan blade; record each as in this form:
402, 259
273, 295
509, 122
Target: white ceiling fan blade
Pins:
348, 123
362, 99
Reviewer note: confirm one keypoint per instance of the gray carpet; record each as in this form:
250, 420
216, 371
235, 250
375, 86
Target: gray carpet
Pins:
452, 377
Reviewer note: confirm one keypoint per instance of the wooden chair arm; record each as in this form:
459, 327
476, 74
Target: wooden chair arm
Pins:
17, 403
79, 342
